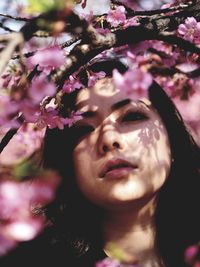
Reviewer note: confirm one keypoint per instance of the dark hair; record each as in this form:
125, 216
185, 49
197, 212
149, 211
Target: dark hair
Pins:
177, 218
177, 223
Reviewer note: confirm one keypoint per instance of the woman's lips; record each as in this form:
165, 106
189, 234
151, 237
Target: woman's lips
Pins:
118, 173
116, 167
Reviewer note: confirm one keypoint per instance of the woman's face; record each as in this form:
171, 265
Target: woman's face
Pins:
122, 154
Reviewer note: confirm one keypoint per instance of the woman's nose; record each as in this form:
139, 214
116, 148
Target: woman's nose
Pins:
109, 139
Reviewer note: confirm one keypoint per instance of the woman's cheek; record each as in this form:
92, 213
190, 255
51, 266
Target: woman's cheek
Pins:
82, 159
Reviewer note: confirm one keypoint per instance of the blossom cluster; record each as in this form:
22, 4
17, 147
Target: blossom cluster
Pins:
18, 200
32, 102
32, 105
117, 17
135, 82
190, 30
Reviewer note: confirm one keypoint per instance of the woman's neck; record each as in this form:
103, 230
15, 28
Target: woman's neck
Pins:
132, 231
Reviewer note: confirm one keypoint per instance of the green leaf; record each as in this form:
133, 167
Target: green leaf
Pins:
43, 6
24, 170
115, 252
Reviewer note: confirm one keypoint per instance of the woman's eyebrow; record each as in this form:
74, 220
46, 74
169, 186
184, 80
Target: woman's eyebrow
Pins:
121, 104
116, 106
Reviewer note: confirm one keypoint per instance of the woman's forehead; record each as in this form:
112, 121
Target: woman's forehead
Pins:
104, 93
103, 87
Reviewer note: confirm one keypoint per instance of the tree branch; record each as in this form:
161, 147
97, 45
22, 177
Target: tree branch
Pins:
6, 139
132, 12
83, 52
151, 28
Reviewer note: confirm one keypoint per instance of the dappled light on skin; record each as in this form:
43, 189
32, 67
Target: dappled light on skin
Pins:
140, 135
149, 136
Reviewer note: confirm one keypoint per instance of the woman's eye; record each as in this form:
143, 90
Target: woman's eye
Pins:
134, 116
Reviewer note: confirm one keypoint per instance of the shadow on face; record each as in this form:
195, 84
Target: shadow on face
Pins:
115, 127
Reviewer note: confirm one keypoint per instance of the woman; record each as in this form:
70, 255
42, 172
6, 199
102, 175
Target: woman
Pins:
134, 181
130, 180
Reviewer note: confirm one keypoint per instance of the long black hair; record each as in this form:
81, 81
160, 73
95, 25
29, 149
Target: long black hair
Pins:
76, 221
177, 212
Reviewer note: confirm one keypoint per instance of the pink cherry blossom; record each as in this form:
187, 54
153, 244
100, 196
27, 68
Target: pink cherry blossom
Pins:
134, 83
29, 135
191, 253
5, 102
58, 122
12, 203
10, 79
41, 88
42, 190
74, 117
48, 117
15, 197
30, 111
8, 110
17, 203
6, 244
116, 16
47, 59
23, 230
109, 262
190, 30
71, 85
94, 76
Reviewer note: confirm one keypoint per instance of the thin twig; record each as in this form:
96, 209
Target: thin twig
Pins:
5, 28
14, 18
71, 41
63, 45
